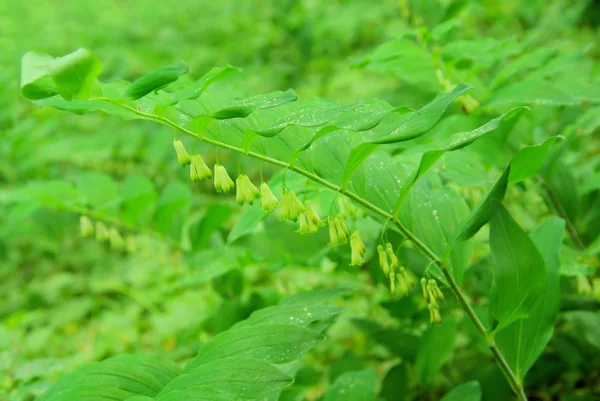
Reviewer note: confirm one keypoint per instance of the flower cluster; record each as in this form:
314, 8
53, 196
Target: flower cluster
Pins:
290, 208
390, 264
338, 233
358, 250
105, 234
432, 294
309, 220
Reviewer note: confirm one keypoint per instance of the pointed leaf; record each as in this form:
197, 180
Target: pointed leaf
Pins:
155, 80
230, 378
483, 212
523, 341
519, 269
274, 343
116, 378
529, 160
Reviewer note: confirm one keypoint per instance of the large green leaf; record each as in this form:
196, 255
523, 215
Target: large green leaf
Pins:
43, 76
227, 379
455, 142
523, 341
519, 269
273, 343
410, 126
116, 378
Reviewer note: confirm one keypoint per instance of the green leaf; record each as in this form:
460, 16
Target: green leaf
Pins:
519, 269
395, 384
410, 126
304, 114
531, 91
483, 212
247, 223
469, 391
273, 343
75, 73
242, 108
198, 87
43, 76
155, 80
523, 341
529, 160
314, 297
227, 379
116, 378
455, 142
435, 348
357, 385
36, 82
293, 314
434, 213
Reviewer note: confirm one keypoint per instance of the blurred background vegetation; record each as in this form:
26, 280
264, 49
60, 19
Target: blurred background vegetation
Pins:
66, 300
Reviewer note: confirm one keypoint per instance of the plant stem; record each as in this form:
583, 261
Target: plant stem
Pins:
514, 382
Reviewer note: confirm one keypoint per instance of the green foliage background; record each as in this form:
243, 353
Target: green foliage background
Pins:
203, 264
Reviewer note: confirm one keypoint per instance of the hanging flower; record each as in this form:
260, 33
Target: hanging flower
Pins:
101, 231
313, 217
182, 155
338, 233
223, 183
424, 287
116, 241
246, 191
86, 227
199, 171
291, 207
394, 262
130, 244
383, 260
435, 290
434, 314
393, 282
358, 249
268, 200
304, 226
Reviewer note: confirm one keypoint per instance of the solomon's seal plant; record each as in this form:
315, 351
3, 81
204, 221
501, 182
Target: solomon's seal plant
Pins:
392, 165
